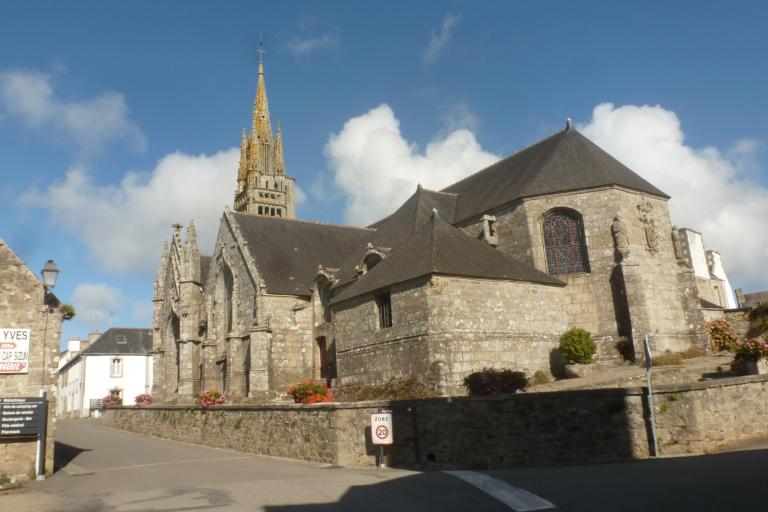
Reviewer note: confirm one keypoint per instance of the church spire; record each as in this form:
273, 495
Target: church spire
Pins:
261, 126
263, 188
279, 161
242, 170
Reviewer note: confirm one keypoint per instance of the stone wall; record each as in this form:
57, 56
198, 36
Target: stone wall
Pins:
477, 323
448, 327
480, 432
366, 353
738, 319
21, 306
646, 294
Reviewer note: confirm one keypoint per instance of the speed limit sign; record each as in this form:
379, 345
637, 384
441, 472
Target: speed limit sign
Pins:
381, 428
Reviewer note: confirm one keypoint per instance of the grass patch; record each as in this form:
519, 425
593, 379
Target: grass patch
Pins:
540, 377
395, 389
669, 358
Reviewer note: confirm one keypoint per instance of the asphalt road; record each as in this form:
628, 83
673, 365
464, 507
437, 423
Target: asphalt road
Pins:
108, 470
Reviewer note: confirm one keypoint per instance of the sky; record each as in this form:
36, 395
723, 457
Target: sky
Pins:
120, 119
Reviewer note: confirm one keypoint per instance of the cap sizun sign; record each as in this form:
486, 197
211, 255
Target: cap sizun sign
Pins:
14, 350
22, 416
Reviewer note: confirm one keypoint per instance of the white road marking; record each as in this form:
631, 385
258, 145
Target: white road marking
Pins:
166, 463
515, 498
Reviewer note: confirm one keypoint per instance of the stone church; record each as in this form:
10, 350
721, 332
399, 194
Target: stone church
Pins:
489, 271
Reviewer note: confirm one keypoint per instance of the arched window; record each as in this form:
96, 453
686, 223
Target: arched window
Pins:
564, 243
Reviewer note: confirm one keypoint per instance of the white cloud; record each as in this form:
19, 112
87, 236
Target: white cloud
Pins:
91, 123
142, 312
438, 41
96, 304
124, 225
712, 191
378, 169
302, 47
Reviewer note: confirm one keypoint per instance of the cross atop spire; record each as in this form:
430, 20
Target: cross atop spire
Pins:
261, 49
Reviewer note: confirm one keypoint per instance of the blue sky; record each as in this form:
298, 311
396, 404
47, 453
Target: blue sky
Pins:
160, 90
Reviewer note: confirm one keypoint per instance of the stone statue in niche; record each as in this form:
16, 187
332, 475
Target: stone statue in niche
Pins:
676, 244
620, 238
649, 227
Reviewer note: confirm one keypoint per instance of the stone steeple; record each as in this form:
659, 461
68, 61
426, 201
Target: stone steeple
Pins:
262, 185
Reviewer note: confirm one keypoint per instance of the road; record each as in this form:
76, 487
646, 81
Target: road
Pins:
108, 470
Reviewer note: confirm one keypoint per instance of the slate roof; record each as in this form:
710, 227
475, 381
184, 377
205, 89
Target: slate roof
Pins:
755, 298
563, 162
412, 214
439, 248
709, 305
287, 252
122, 340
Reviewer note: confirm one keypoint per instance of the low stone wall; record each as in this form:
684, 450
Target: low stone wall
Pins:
526, 428
738, 320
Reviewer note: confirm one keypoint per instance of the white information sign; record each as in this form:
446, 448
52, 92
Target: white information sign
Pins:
381, 428
14, 350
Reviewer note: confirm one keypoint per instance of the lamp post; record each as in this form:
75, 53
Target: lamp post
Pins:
49, 274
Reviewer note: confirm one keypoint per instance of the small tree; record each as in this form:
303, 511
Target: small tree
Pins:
577, 346
490, 381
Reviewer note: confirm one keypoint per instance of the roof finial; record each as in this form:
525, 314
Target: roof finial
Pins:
261, 49
568, 124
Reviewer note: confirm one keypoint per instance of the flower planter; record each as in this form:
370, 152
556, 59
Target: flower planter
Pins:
573, 371
759, 367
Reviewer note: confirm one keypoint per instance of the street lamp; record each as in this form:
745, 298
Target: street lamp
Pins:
50, 272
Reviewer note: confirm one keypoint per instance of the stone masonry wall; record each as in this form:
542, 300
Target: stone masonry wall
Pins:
597, 301
21, 306
478, 432
739, 321
366, 353
477, 323
291, 345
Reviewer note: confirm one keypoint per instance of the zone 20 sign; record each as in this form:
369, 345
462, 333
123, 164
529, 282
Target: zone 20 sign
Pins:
14, 350
381, 428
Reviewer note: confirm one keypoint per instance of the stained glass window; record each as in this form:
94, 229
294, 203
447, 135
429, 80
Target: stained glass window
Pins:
564, 242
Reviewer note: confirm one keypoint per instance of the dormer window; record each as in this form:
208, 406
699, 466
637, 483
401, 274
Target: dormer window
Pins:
371, 260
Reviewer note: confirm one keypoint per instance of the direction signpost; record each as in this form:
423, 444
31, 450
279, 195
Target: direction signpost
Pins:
26, 416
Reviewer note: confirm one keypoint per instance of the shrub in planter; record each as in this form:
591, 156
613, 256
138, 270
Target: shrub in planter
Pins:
577, 346
752, 349
490, 381
721, 335
109, 401
309, 392
212, 397
143, 400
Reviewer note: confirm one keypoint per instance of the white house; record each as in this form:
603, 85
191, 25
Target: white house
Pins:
116, 363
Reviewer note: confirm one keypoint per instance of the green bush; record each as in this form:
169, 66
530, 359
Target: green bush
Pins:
490, 381
577, 346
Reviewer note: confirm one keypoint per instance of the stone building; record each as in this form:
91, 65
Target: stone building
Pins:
487, 272
25, 305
